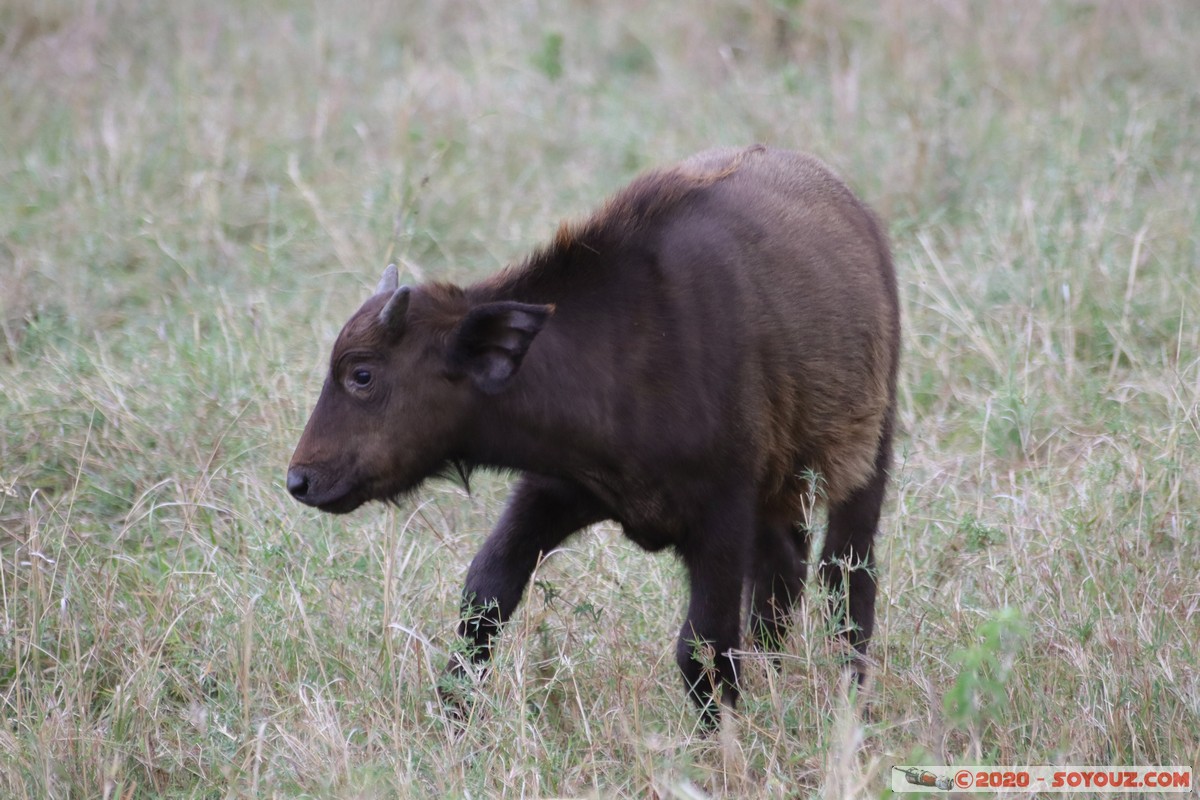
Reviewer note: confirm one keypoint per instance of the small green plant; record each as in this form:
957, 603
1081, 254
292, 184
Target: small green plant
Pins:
548, 59
977, 534
980, 691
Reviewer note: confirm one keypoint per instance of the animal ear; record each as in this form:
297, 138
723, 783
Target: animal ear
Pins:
492, 339
394, 313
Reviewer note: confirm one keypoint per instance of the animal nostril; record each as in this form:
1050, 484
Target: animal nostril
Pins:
297, 483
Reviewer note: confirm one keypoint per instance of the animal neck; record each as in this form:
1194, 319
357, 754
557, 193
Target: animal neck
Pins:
558, 416
554, 418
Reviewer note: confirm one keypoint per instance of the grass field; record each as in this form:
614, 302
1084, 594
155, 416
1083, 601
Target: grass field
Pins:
193, 198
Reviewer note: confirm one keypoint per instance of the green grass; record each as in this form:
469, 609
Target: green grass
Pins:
193, 197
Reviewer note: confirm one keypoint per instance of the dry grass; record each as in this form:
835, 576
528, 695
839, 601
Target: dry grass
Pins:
192, 199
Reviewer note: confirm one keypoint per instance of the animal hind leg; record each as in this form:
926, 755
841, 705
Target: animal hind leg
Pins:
848, 560
776, 581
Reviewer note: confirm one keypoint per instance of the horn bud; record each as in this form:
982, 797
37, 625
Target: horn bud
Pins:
395, 311
389, 281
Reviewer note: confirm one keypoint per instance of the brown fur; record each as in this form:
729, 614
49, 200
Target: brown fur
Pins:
679, 361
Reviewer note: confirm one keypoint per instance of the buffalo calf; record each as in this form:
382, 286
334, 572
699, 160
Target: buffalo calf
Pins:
686, 361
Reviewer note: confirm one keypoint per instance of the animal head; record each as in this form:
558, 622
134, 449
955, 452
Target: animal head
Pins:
408, 376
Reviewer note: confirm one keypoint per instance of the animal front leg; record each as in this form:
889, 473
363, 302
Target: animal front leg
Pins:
716, 558
541, 513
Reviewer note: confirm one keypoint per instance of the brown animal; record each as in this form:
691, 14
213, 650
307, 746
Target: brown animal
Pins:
682, 362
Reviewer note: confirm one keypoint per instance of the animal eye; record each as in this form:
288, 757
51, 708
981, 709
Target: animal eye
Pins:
361, 377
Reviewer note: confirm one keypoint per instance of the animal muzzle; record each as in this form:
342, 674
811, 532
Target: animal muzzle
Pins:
298, 483
312, 487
